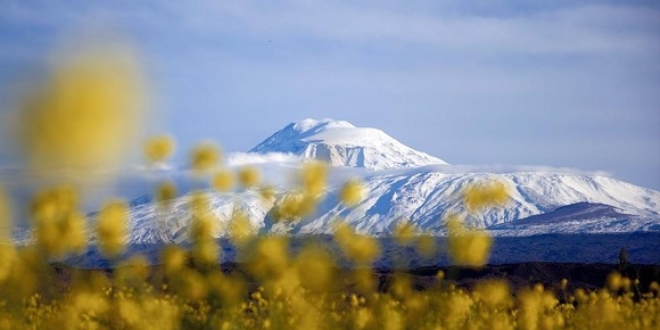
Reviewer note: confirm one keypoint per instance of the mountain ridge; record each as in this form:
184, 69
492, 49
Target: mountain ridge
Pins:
422, 193
405, 185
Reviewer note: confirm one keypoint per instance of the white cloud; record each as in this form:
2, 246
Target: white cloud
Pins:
235, 159
586, 29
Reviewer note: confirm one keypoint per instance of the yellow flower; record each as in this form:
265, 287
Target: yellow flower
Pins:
314, 267
135, 268
159, 148
248, 176
404, 233
86, 301
86, 115
174, 259
230, 288
240, 228
8, 257
477, 197
493, 293
467, 246
199, 204
363, 317
654, 287
202, 230
351, 193
205, 157
426, 245
269, 258
293, 207
202, 227
74, 232
365, 279
130, 312
268, 193
313, 176
358, 248
52, 204
165, 192
5, 216
206, 252
58, 226
193, 285
112, 228
615, 281
223, 180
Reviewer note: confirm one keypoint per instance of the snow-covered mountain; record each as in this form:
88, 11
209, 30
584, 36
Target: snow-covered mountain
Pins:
341, 144
427, 196
404, 185
541, 203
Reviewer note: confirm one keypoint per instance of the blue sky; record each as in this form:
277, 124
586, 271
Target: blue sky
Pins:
556, 83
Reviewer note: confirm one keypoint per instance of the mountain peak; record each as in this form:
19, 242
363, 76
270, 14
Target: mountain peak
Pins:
342, 144
317, 125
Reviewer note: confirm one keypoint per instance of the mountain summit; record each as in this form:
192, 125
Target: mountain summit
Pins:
339, 143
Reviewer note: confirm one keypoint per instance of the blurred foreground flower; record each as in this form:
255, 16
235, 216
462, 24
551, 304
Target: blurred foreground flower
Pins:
248, 176
360, 249
470, 247
351, 193
223, 180
205, 156
5, 216
313, 176
59, 227
165, 193
240, 229
293, 207
112, 228
404, 233
86, 115
479, 196
493, 293
159, 148
315, 268
203, 228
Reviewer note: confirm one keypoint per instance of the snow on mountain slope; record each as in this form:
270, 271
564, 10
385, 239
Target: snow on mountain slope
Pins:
151, 223
400, 185
341, 144
541, 203
426, 196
